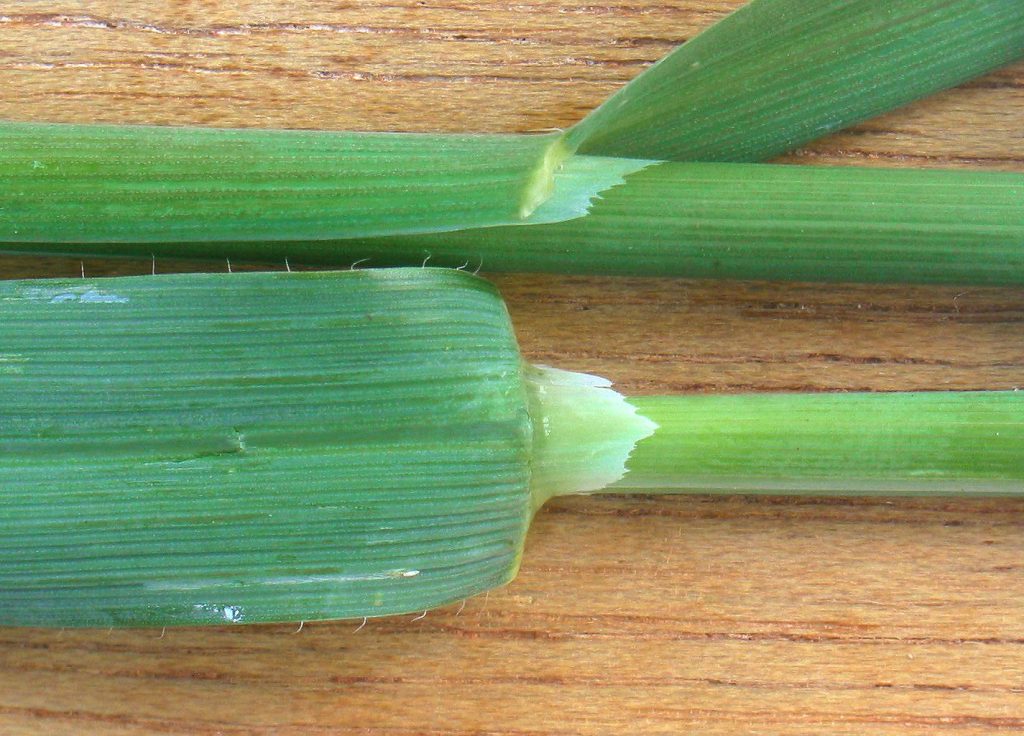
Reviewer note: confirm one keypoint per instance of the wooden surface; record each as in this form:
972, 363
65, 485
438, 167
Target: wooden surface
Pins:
631, 615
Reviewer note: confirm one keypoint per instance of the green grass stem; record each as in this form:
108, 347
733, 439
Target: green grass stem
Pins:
956, 442
740, 221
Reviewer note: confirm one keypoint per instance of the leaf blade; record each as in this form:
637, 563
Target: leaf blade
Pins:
779, 73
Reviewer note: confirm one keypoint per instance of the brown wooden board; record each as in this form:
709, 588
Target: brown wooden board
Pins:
631, 615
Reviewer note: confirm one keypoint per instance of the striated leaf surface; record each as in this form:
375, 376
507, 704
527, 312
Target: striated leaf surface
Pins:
779, 73
256, 447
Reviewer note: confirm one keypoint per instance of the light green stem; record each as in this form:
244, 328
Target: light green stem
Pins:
885, 443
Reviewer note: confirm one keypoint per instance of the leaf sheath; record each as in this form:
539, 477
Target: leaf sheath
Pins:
139, 184
256, 447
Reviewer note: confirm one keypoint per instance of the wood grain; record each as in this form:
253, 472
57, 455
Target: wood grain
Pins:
631, 615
